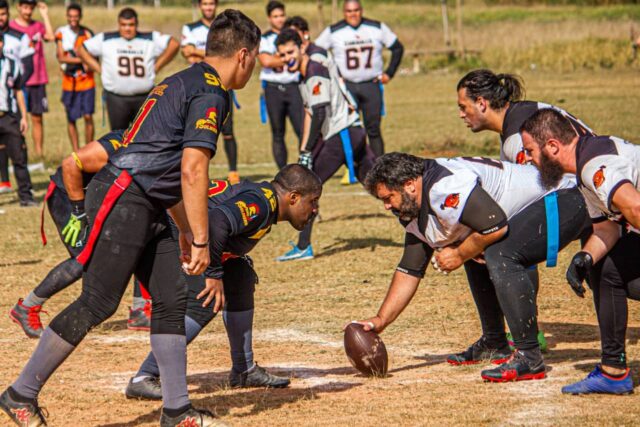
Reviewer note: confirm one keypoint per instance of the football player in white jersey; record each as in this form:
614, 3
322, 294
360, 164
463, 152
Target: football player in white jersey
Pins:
460, 209
333, 133
130, 61
17, 47
194, 40
281, 97
356, 44
489, 101
608, 173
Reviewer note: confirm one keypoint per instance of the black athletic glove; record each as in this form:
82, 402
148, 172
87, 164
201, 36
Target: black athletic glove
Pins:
578, 271
306, 160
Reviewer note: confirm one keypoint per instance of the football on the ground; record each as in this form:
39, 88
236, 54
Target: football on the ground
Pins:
365, 350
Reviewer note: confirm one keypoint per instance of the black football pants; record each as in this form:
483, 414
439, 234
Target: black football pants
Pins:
328, 157
510, 289
283, 100
14, 146
123, 109
369, 99
614, 279
135, 237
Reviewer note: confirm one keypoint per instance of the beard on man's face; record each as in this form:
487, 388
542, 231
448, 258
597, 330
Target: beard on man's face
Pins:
551, 171
408, 210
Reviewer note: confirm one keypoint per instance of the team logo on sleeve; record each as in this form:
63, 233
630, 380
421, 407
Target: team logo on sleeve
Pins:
159, 90
217, 186
316, 89
248, 211
452, 201
210, 122
521, 157
598, 177
115, 143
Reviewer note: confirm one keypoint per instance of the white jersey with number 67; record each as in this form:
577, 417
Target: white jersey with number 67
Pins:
128, 66
357, 51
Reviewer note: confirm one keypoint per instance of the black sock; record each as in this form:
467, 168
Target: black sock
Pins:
175, 412
304, 239
20, 398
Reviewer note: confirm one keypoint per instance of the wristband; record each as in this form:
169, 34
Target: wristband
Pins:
200, 245
77, 160
77, 206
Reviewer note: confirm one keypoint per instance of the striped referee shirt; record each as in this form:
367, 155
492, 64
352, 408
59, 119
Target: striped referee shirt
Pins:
10, 78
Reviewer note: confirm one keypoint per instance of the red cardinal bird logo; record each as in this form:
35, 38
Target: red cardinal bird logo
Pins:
452, 201
521, 158
316, 89
598, 177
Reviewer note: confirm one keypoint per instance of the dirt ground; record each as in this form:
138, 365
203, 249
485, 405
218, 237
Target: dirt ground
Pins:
300, 310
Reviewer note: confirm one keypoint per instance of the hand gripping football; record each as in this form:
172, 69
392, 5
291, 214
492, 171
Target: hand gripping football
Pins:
365, 350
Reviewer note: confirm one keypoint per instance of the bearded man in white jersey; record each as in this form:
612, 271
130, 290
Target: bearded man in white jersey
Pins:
461, 209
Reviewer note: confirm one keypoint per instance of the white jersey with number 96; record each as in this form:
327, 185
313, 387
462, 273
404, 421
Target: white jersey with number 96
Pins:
128, 66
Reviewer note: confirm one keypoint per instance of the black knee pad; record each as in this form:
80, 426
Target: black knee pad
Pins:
633, 290
239, 284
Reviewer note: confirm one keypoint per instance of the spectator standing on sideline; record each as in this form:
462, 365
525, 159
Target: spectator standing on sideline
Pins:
78, 84
35, 88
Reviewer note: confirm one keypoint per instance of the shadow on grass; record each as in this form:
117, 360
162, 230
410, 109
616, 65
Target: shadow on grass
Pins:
579, 333
255, 400
113, 326
428, 360
360, 217
21, 262
345, 245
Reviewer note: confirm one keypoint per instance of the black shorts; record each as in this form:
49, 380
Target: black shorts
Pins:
36, 99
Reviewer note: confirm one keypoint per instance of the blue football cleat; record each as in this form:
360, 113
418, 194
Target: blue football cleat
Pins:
296, 254
599, 382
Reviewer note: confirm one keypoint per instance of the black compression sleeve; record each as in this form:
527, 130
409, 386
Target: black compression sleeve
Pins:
27, 68
481, 213
397, 50
317, 118
219, 232
415, 257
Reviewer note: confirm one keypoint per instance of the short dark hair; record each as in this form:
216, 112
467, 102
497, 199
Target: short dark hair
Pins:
4, 4
393, 170
215, 1
548, 123
231, 31
128, 13
75, 6
288, 35
295, 177
498, 89
297, 22
273, 5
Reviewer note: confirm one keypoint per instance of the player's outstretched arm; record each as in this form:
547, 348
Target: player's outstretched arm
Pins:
169, 53
195, 185
270, 61
403, 288
89, 60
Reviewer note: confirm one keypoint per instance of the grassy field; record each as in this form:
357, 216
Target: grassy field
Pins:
301, 307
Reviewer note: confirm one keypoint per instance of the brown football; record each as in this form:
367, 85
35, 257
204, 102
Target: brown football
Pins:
365, 350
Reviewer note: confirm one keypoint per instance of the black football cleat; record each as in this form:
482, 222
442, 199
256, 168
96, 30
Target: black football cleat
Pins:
23, 414
147, 389
517, 368
478, 352
257, 377
191, 418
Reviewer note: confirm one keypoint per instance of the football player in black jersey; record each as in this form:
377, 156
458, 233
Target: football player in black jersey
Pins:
239, 216
162, 165
608, 174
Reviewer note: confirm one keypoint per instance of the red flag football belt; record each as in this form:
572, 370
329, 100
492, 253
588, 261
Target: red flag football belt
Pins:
113, 194
50, 189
